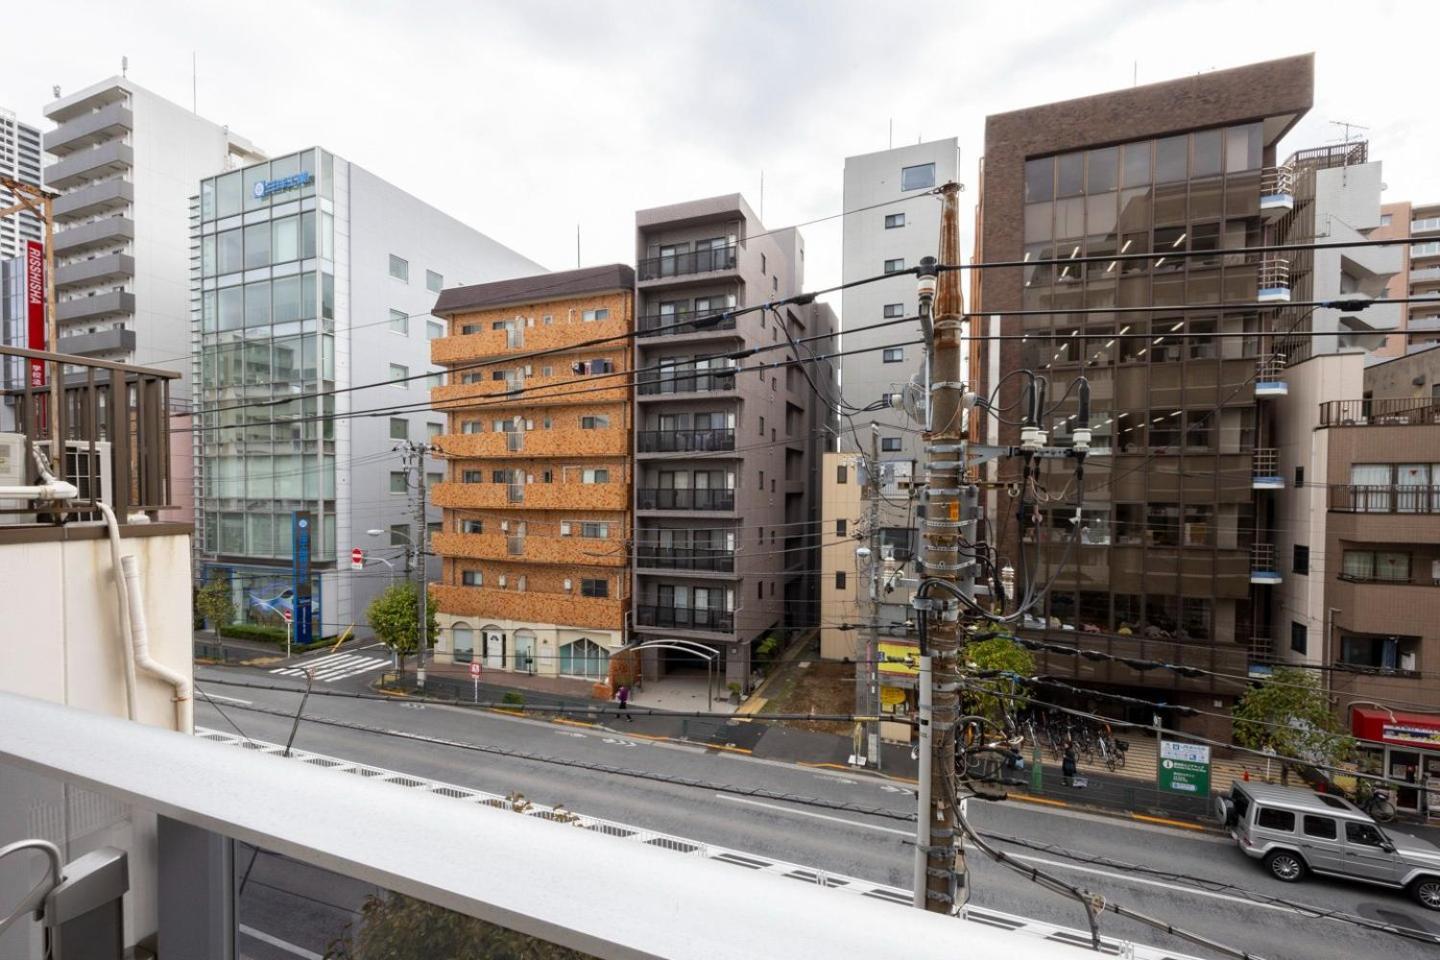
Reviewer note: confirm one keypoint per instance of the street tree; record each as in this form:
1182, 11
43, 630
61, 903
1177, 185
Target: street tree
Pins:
392, 616
993, 697
397, 927
1289, 713
216, 603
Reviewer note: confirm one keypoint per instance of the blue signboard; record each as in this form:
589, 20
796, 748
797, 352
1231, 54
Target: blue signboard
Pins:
301, 524
265, 188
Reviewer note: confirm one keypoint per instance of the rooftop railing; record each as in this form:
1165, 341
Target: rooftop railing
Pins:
1385, 412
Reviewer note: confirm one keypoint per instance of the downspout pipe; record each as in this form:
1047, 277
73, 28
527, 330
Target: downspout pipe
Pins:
127, 648
140, 645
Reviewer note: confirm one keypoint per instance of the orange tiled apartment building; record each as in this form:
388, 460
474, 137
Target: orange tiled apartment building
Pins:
536, 497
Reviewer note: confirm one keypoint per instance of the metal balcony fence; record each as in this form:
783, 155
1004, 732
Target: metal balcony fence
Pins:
685, 498
687, 381
685, 558
705, 260
1388, 412
685, 441
1276, 180
1385, 498
689, 618
685, 321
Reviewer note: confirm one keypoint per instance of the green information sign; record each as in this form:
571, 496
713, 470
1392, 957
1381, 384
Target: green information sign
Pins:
1184, 767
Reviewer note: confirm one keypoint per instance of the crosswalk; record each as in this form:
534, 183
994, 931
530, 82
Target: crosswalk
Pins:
334, 666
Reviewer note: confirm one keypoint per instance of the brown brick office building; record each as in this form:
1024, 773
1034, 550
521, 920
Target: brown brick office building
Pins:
538, 478
1176, 559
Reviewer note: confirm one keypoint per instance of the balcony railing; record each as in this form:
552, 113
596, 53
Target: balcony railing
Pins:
693, 381
1385, 498
684, 441
682, 264
668, 498
685, 558
1424, 225
1335, 155
1277, 181
689, 618
113, 418
1388, 412
685, 321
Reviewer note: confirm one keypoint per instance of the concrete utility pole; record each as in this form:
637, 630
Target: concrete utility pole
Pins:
871, 672
415, 453
945, 880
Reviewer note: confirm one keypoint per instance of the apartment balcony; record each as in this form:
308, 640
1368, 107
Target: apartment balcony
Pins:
1270, 377
88, 236
1265, 470
93, 200
572, 551
112, 157
1219, 655
1425, 226
566, 609
670, 498
651, 557
111, 268
684, 441
1273, 280
702, 619
1385, 498
104, 341
1391, 412
532, 496
462, 347
569, 442
1277, 193
687, 383
689, 264
83, 132
683, 322
561, 388
1263, 569
1425, 276
99, 307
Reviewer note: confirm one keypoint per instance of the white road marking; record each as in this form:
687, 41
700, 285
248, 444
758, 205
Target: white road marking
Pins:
279, 944
332, 667
216, 696
370, 646
817, 816
1131, 878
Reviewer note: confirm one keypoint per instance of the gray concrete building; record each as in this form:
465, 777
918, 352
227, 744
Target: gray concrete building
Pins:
20, 159
313, 276
727, 451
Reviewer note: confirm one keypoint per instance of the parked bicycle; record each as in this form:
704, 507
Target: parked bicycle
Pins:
1375, 801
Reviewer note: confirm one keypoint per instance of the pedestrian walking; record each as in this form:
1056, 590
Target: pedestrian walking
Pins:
1068, 764
623, 695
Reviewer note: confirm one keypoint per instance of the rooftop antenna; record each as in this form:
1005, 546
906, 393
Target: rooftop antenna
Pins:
124, 66
1345, 139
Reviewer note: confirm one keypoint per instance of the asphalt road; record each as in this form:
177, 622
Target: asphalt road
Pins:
1197, 881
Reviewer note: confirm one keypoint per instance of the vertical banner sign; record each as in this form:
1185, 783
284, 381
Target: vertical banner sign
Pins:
301, 524
1184, 767
35, 330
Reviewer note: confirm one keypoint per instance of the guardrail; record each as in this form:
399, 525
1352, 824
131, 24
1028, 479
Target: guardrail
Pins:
1386, 412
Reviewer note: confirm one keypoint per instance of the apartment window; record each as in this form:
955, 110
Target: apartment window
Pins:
433, 430
1300, 562
1299, 477
1386, 219
895, 266
894, 311
918, 177
591, 316
400, 374
762, 426
892, 354
564, 528
435, 378
1299, 636
399, 322
398, 481
842, 474
399, 268
598, 475
594, 530
472, 476
434, 282
1386, 566
472, 526
434, 329
594, 588
434, 478
840, 527
472, 578
893, 220
759, 589
890, 444
472, 426
763, 264
839, 579
399, 428
597, 422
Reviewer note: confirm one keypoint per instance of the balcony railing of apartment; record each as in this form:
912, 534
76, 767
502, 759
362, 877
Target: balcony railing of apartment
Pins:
684, 321
1424, 225
1425, 275
1385, 498
685, 558
1276, 181
1386, 412
114, 420
1335, 155
689, 618
692, 381
694, 261
669, 498
685, 441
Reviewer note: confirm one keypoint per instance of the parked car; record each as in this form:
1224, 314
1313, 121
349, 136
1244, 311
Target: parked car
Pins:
1295, 831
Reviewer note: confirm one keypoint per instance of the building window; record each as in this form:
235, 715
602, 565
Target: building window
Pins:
398, 481
434, 478
399, 428
762, 426
1386, 219
1300, 562
592, 316
472, 578
434, 282
763, 264
1299, 477
840, 526
918, 177
1375, 566
472, 476
894, 311
839, 579
472, 526
895, 266
435, 378
399, 268
399, 375
400, 535
433, 430
1380, 653
890, 444
597, 475
597, 422
893, 220
892, 354
434, 329
594, 588
399, 322
1299, 636
595, 530
842, 474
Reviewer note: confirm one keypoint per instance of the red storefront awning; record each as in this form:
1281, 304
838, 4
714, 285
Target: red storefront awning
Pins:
1414, 730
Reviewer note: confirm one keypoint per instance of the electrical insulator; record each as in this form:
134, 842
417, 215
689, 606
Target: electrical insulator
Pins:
1007, 580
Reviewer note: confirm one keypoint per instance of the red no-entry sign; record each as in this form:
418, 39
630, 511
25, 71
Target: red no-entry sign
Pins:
357, 559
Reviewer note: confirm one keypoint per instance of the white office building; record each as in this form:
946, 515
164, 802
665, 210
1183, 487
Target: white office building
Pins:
20, 159
314, 278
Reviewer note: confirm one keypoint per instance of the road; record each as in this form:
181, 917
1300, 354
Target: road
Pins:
290, 903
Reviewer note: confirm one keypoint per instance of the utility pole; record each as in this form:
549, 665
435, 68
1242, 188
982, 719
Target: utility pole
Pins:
414, 454
945, 887
871, 705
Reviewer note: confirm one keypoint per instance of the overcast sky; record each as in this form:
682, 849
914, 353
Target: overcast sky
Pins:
524, 119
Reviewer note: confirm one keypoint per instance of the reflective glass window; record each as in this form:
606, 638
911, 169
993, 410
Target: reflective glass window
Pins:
1171, 156
1070, 174
257, 246
1102, 170
1040, 179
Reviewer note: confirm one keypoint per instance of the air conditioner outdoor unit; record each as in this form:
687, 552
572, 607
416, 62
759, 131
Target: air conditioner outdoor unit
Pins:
14, 457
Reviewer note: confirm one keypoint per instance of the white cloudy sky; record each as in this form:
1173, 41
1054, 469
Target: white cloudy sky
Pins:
525, 118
